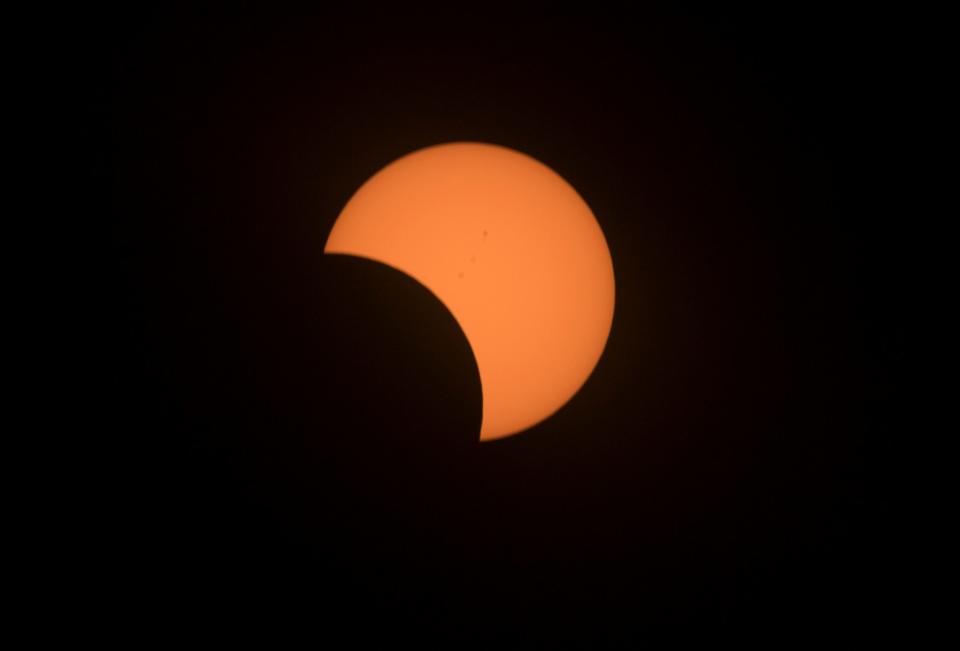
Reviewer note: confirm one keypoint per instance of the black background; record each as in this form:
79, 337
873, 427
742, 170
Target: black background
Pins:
301, 430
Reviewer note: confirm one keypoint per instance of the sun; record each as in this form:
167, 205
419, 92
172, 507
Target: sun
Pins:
514, 253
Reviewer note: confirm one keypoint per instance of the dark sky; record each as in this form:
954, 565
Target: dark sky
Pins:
305, 428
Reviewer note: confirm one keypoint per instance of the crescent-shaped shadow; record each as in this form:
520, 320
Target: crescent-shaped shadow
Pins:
396, 362
391, 294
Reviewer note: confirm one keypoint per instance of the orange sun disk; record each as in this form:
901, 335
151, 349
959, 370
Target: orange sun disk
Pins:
513, 252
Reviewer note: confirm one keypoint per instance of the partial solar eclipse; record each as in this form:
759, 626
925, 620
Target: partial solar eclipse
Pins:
512, 251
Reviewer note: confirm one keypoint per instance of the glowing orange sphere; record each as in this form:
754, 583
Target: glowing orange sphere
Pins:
514, 253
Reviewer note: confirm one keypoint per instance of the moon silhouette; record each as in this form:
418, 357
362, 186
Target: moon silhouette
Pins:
515, 254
